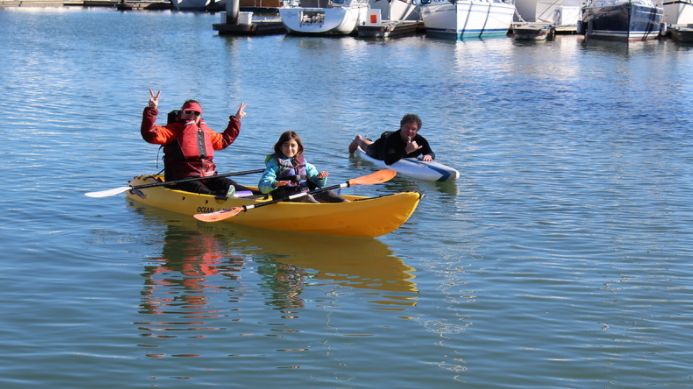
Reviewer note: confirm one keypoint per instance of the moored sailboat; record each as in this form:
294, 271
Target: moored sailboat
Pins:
337, 17
629, 20
460, 19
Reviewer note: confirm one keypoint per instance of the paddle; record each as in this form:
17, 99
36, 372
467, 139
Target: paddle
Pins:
378, 177
119, 190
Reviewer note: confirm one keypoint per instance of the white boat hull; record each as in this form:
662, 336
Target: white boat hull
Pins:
545, 11
322, 21
395, 10
678, 12
467, 18
566, 16
414, 168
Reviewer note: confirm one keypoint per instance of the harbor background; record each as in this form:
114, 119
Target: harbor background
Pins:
561, 258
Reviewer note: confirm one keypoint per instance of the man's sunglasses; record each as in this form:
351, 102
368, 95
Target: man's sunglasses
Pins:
188, 112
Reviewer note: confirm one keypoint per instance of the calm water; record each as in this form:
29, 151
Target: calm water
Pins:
561, 258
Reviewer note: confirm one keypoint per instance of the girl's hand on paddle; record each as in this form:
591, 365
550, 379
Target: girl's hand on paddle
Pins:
240, 114
282, 183
411, 146
322, 175
427, 158
153, 99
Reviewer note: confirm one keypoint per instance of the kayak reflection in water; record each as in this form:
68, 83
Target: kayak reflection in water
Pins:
200, 259
178, 282
286, 283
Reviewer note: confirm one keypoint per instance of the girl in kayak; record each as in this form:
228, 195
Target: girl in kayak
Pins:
287, 173
393, 146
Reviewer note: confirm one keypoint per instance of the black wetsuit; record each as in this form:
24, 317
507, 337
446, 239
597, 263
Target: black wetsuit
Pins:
390, 147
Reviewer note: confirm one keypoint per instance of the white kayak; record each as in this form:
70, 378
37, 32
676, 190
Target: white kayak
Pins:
415, 168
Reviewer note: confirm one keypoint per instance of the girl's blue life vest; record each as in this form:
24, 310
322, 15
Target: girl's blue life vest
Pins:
294, 170
291, 169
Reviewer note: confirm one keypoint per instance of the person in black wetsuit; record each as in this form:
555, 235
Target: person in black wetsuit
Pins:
395, 145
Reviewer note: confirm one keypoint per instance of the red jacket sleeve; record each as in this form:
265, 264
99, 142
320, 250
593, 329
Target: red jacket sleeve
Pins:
152, 133
223, 140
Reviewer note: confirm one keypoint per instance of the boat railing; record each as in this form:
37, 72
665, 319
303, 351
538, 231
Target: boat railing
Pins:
426, 2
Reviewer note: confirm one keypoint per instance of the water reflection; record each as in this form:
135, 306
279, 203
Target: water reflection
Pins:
188, 260
553, 60
299, 260
179, 287
357, 263
618, 48
197, 282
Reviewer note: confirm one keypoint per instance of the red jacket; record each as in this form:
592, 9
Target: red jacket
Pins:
188, 149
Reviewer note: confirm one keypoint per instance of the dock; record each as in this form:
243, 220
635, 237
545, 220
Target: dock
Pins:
257, 21
682, 33
533, 31
390, 29
253, 27
566, 29
91, 3
143, 5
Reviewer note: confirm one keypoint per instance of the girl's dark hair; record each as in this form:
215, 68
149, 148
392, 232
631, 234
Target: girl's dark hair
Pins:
411, 117
286, 136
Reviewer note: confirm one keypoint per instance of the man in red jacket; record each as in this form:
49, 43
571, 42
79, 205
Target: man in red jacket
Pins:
189, 145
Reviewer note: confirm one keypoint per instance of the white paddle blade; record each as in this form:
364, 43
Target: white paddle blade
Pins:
108, 192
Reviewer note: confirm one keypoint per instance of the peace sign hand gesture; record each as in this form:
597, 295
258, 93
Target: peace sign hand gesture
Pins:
240, 114
153, 99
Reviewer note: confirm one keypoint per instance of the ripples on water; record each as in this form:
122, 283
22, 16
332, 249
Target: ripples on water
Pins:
559, 259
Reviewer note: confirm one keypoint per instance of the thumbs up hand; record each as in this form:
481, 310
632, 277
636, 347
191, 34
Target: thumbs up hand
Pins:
412, 146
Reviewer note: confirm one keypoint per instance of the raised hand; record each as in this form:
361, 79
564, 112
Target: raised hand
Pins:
241, 111
153, 99
411, 146
322, 175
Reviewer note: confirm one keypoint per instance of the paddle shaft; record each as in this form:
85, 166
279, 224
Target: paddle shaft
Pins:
192, 179
374, 178
297, 195
123, 189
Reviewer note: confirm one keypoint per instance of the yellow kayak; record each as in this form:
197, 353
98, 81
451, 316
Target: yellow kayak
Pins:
361, 216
